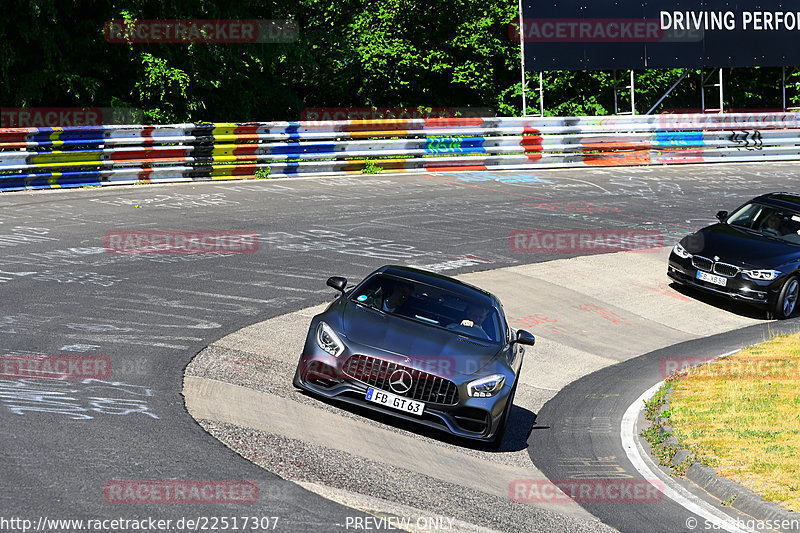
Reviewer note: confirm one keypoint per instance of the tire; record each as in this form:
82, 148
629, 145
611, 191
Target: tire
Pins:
786, 302
501, 429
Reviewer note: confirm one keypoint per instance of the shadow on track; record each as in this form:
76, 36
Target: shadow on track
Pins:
520, 423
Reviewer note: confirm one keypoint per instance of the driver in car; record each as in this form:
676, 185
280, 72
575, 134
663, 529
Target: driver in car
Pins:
399, 295
390, 297
475, 316
772, 226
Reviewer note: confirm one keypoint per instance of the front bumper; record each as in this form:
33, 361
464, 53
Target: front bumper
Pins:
755, 292
471, 418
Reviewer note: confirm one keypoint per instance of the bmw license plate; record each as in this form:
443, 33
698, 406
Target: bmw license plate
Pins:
711, 278
396, 402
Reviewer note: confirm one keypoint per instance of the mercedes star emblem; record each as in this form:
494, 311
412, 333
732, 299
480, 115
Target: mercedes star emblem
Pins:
400, 381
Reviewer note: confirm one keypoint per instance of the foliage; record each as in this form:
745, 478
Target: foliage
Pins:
652, 405
371, 168
349, 53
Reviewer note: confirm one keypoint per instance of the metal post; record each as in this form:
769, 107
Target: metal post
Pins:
783, 86
702, 90
685, 73
522, 59
541, 93
631, 87
704, 83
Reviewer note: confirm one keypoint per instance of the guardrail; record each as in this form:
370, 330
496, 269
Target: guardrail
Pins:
35, 158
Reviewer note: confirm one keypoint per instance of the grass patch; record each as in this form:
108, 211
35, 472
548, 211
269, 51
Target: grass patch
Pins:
371, 168
740, 414
652, 405
661, 451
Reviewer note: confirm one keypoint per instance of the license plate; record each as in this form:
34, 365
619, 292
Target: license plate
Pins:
711, 278
395, 402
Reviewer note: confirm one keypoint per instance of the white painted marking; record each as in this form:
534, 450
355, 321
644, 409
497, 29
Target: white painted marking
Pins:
672, 490
544, 388
272, 301
78, 347
588, 183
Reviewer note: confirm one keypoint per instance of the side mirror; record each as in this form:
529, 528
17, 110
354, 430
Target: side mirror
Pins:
523, 337
337, 283
722, 215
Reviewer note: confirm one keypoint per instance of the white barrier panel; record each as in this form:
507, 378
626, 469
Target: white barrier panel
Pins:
98, 155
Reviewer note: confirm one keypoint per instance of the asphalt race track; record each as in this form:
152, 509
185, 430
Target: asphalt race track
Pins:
579, 420
65, 442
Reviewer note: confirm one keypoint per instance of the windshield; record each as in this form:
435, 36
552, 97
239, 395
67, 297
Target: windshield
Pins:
768, 220
433, 306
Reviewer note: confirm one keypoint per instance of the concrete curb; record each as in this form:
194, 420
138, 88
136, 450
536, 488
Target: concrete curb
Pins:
725, 490
745, 500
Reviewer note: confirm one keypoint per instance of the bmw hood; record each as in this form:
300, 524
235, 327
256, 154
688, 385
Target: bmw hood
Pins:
740, 247
427, 347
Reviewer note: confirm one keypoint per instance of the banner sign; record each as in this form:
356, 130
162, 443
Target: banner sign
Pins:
633, 34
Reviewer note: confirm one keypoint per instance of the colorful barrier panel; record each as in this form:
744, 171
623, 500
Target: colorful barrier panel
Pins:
35, 158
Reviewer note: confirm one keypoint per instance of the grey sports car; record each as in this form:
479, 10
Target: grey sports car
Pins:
419, 346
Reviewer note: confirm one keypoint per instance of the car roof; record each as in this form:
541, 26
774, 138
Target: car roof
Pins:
435, 279
781, 199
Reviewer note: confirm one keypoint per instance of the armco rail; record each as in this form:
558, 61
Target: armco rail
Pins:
35, 158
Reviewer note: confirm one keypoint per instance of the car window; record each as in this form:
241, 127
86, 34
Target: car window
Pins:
770, 221
433, 306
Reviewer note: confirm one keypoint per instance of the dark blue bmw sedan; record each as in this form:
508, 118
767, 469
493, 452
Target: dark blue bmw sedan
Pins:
751, 254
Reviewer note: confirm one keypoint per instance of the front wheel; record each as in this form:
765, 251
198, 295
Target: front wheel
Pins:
501, 429
786, 302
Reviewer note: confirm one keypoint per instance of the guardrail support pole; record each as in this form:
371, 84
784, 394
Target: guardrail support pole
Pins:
522, 60
704, 83
685, 73
783, 86
630, 87
541, 93
702, 90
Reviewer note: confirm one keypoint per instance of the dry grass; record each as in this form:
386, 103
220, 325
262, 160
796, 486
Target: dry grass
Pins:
741, 415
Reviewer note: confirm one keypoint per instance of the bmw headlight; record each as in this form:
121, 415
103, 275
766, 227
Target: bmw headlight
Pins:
680, 251
486, 387
328, 340
764, 275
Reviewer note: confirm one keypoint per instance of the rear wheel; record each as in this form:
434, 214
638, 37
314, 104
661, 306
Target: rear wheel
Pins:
786, 302
501, 429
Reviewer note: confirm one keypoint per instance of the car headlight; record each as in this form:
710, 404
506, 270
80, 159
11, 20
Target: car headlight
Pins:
680, 251
486, 387
764, 275
328, 340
